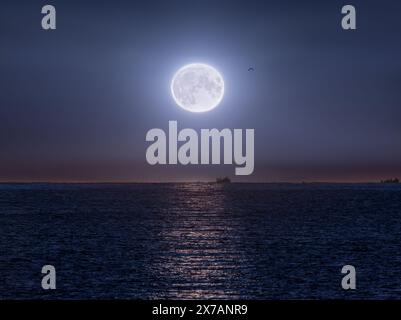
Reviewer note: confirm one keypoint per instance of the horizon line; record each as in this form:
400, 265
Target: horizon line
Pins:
192, 181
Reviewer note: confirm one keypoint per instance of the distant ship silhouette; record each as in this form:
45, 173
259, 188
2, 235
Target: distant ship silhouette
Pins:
395, 180
223, 180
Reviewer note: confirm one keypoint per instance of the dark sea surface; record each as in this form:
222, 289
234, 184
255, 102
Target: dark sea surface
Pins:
192, 241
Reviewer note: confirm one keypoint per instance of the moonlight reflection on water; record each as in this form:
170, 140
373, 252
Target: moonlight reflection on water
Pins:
199, 240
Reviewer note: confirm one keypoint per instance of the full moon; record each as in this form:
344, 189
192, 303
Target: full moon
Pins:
197, 87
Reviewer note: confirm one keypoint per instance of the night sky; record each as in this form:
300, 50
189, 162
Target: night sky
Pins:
76, 103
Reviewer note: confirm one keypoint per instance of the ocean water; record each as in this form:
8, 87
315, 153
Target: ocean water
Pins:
200, 241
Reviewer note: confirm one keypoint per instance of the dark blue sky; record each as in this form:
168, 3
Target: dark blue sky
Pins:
76, 103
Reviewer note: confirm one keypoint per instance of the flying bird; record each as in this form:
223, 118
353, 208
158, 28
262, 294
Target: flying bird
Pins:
251, 69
